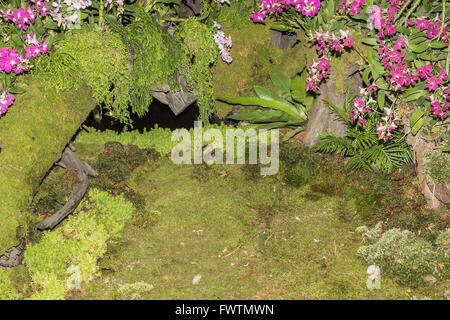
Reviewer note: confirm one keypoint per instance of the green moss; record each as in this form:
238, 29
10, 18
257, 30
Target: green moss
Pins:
100, 60
79, 242
339, 65
248, 239
237, 14
156, 56
254, 57
156, 138
159, 139
199, 53
34, 132
7, 291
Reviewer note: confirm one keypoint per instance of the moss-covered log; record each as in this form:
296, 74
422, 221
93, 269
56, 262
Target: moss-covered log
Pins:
34, 132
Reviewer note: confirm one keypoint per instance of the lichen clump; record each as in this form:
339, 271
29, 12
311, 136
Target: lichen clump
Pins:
404, 255
437, 166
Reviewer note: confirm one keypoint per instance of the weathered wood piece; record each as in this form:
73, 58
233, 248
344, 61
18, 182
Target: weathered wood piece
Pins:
70, 160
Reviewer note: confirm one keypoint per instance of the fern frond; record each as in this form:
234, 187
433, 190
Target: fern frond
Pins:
330, 143
362, 139
341, 112
387, 157
358, 162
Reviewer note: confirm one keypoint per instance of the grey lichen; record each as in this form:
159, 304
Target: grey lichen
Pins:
437, 166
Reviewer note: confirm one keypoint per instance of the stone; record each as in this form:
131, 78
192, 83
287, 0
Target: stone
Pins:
190, 8
177, 101
283, 41
13, 257
442, 192
430, 279
321, 118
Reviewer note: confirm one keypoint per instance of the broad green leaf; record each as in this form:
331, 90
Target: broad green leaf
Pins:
381, 98
266, 94
274, 125
365, 76
261, 116
438, 45
418, 40
50, 24
414, 96
403, 30
281, 83
362, 16
276, 105
417, 126
416, 116
370, 41
309, 102
298, 86
418, 48
432, 121
416, 33
281, 28
369, 56
428, 57
49, 40
381, 83
410, 56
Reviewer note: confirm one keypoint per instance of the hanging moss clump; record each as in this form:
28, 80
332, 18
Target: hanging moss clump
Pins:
199, 54
155, 57
97, 58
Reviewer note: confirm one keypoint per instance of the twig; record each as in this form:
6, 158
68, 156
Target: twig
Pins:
234, 251
267, 240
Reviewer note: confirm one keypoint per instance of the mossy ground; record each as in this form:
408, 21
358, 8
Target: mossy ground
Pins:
288, 236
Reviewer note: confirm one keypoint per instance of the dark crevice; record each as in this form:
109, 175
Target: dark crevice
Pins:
158, 114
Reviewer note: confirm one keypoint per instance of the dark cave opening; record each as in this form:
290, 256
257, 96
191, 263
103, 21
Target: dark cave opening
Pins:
158, 114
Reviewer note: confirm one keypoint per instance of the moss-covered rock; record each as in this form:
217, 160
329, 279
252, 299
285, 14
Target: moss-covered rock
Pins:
33, 134
340, 65
254, 57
